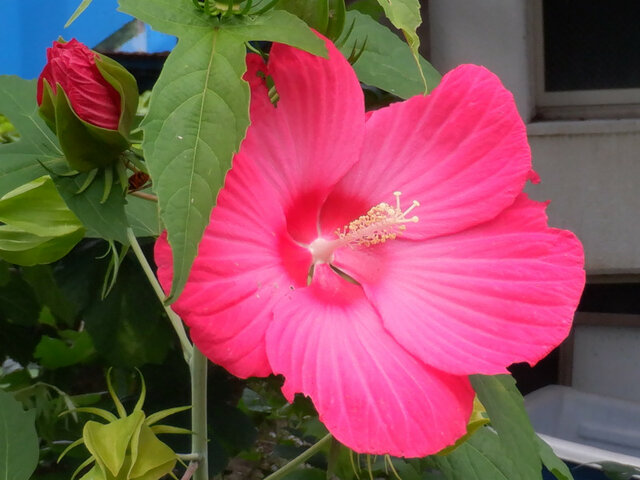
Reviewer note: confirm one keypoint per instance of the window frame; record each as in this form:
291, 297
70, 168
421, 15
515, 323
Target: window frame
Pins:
576, 104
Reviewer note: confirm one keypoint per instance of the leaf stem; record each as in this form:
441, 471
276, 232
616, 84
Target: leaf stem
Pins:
300, 459
176, 322
145, 196
199, 438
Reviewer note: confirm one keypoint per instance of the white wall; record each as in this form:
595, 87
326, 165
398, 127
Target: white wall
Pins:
590, 169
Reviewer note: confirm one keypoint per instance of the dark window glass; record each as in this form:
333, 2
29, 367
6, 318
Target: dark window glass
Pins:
591, 44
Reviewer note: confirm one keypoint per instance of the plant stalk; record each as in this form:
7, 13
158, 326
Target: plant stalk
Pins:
176, 322
199, 439
300, 459
197, 368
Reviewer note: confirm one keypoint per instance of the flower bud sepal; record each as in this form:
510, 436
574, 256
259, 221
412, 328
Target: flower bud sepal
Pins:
87, 146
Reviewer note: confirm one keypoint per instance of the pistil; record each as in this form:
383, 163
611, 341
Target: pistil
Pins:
381, 223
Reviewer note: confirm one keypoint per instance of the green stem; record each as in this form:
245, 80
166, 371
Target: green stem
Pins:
199, 439
300, 459
197, 367
176, 322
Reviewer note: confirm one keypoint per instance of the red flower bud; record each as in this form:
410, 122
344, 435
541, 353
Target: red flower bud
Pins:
72, 66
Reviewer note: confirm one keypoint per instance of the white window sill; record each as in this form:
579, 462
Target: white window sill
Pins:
583, 127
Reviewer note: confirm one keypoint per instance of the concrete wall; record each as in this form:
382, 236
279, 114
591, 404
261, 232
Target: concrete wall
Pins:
590, 169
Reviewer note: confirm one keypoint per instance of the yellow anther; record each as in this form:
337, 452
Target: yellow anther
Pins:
381, 223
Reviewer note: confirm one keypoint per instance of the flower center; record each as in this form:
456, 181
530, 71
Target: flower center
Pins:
381, 223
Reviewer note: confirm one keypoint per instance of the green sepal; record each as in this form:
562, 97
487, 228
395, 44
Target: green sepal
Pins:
109, 443
170, 430
337, 16
126, 85
151, 458
95, 473
161, 415
47, 109
85, 146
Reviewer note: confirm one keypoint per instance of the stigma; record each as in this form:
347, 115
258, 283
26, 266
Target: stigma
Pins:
381, 223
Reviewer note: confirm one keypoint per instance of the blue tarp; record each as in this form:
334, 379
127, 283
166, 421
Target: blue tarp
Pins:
27, 28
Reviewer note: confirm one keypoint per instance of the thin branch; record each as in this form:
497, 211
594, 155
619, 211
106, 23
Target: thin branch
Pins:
145, 196
176, 321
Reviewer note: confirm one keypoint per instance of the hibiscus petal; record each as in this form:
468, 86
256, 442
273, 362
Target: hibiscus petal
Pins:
462, 152
373, 396
313, 136
246, 262
478, 300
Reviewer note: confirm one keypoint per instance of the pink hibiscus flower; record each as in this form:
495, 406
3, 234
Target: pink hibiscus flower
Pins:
376, 304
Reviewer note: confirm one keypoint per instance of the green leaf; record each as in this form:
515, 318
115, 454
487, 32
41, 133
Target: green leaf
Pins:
385, 61
618, 471
38, 208
324, 16
48, 293
103, 219
505, 406
199, 112
557, 467
405, 16
73, 348
21, 160
478, 419
128, 328
81, 8
18, 303
143, 217
368, 7
315, 13
482, 457
38, 225
182, 19
18, 440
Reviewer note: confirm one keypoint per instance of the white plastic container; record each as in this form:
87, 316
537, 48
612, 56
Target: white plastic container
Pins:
585, 427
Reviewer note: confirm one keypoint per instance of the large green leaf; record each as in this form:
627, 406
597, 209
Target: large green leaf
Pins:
199, 111
385, 61
103, 218
38, 227
405, 16
505, 406
143, 217
21, 161
482, 457
18, 440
